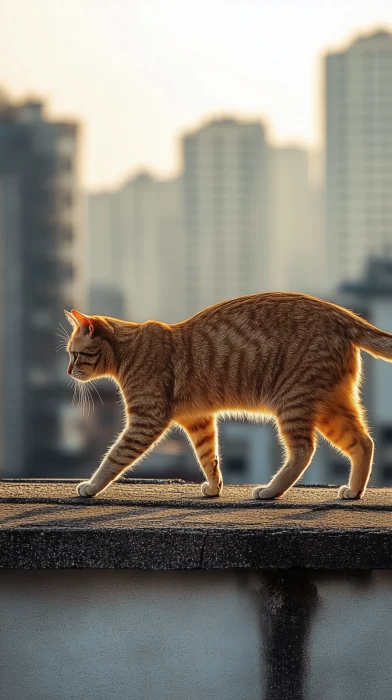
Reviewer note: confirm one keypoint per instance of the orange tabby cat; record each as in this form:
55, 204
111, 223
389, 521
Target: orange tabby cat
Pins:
290, 356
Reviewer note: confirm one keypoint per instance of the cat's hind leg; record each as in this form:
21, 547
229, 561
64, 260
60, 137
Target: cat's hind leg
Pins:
202, 432
298, 437
343, 424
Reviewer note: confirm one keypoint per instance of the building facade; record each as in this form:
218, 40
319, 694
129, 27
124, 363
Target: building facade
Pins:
147, 224
39, 212
104, 257
225, 209
358, 137
371, 295
296, 223
131, 233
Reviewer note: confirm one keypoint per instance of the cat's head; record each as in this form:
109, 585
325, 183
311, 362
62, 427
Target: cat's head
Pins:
90, 346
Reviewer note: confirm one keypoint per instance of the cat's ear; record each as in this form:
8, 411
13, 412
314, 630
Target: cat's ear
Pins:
86, 321
95, 325
71, 319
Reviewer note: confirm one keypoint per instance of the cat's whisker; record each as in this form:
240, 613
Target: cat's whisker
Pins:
64, 329
74, 392
85, 404
85, 399
95, 388
90, 398
90, 392
90, 402
77, 394
79, 387
62, 333
81, 397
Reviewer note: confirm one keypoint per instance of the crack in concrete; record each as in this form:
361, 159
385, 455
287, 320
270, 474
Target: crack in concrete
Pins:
202, 550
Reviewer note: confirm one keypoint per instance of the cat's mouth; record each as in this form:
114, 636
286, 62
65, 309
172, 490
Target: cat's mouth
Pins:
79, 376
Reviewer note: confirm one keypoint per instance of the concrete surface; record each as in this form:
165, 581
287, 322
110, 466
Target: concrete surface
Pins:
158, 525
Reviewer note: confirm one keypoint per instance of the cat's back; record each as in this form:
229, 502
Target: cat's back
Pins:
239, 353
271, 312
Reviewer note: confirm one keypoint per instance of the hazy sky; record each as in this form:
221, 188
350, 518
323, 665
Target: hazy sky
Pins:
138, 72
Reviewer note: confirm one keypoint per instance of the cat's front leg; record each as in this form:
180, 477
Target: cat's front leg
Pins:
87, 488
202, 431
136, 439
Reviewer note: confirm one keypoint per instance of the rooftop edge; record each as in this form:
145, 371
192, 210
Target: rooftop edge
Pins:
166, 524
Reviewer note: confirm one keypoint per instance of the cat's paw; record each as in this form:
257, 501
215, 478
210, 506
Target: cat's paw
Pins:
346, 494
264, 493
211, 491
86, 489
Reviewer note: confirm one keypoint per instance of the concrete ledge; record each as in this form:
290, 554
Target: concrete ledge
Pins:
147, 524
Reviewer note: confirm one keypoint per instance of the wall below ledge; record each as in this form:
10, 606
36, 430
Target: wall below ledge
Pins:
162, 525
294, 635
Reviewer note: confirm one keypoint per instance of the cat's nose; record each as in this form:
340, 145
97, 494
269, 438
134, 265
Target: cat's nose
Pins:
70, 368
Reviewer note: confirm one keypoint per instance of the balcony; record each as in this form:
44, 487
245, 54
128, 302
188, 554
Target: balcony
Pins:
151, 591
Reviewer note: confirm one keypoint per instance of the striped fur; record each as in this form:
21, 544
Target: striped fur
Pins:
287, 356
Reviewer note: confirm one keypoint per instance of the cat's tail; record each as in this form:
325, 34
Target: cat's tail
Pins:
373, 340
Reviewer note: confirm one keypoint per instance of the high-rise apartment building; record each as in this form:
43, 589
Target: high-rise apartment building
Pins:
371, 296
358, 136
39, 278
104, 257
148, 216
296, 223
225, 211
135, 247
103, 250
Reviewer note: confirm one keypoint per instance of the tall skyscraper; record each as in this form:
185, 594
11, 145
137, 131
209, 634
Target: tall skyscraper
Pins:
148, 221
134, 249
371, 296
38, 232
103, 250
358, 135
296, 223
104, 257
225, 211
